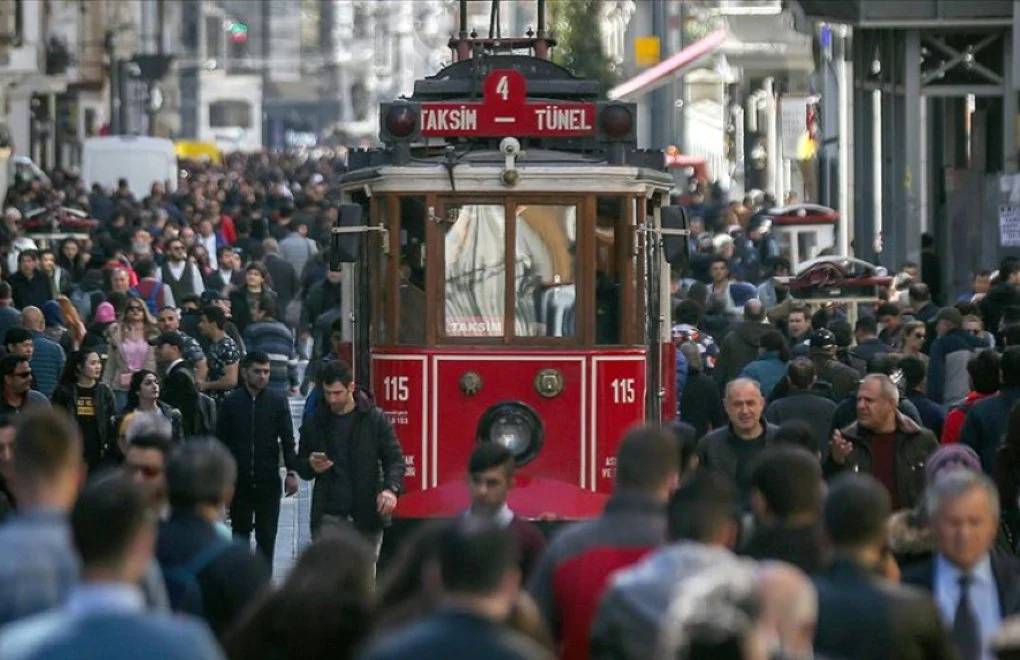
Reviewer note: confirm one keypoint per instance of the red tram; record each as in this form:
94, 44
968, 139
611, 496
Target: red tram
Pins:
507, 251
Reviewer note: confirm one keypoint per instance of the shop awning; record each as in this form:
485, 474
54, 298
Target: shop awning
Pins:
660, 74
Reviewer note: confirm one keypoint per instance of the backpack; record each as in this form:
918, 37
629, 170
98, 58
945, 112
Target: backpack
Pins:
182, 587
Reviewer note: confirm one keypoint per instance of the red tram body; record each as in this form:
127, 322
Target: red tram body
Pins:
506, 248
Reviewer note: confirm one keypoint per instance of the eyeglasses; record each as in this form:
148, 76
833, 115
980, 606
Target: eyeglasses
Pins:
134, 309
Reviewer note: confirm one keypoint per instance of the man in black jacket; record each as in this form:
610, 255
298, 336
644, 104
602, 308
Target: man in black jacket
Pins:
179, 389
349, 448
254, 422
860, 614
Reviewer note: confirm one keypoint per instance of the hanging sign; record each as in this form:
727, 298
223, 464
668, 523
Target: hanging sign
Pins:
504, 111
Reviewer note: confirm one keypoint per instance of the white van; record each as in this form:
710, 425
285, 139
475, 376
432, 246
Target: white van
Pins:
141, 160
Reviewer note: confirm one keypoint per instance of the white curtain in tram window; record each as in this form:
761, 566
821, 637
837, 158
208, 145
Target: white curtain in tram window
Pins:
475, 268
544, 270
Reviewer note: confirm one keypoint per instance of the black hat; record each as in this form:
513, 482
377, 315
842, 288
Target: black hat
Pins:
822, 338
172, 338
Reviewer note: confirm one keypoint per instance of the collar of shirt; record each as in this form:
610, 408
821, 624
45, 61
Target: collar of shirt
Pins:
88, 598
174, 364
984, 596
503, 517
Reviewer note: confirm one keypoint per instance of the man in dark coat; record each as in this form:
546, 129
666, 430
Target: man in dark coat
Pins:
860, 614
987, 419
804, 404
479, 582
254, 422
883, 442
740, 346
285, 279
200, 478
179, 389
29, 286
974, 588
786, 493
349, 448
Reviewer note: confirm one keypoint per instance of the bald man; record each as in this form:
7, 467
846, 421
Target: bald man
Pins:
789, 608
47, 356
732, 449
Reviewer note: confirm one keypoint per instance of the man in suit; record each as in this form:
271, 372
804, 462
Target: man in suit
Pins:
179, 389
975, 590
114, 532
861, 615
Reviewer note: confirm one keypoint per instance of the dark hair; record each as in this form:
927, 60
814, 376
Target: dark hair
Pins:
200, 471
73, 366
28, 253
190, 299
9, 363
819, 319
801, 373
689, 312
919, 291
135, 385
1009, 365
474, 556
402, 582
913, 371
773, 340
867, 324
489, 455
215, 315
841, 329
856, 510
885, 309
646, 459
717, 259
883, 363
5, 291
254, 357
983, 369
701, 507
790, 480
162, 443
223, 249
323, 609
107, 517
16, 336
144, 268
336, 371
46, 441
256, 265
796, 433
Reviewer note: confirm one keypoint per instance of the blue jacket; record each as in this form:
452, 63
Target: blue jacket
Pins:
947, 369
47, 363
986, 423
766, 371
275, 339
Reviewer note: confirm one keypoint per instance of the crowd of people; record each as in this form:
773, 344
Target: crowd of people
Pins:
838, 482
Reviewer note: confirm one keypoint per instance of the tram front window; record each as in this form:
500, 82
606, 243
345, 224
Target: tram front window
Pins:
475, 270
545, 270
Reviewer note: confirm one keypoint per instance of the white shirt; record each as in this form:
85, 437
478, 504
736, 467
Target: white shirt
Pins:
984, 598
209, 242
177, 270
502, 518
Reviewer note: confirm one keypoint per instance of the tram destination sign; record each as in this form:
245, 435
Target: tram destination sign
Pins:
505, 112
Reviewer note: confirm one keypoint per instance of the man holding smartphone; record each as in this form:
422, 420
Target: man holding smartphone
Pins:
346, 445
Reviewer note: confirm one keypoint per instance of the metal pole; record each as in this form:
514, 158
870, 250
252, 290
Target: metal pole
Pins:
845, 184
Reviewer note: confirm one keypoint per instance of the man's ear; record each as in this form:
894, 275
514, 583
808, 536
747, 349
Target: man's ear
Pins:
759, 506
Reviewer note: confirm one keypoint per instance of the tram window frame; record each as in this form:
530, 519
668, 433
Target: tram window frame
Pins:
583, 268
621, 256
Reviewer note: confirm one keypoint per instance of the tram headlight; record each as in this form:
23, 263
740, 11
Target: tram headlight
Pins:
516, 427
400, 120
616, 121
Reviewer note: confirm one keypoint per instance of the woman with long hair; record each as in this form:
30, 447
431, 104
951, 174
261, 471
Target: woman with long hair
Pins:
129, 349
324, 609
914, 335
73, 259
143, 397
89, 402
72, 321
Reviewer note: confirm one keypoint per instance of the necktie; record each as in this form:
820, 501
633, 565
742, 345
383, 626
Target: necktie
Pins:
966, 631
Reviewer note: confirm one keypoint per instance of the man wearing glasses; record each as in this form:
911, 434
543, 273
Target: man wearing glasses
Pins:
182, 276
17, 383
